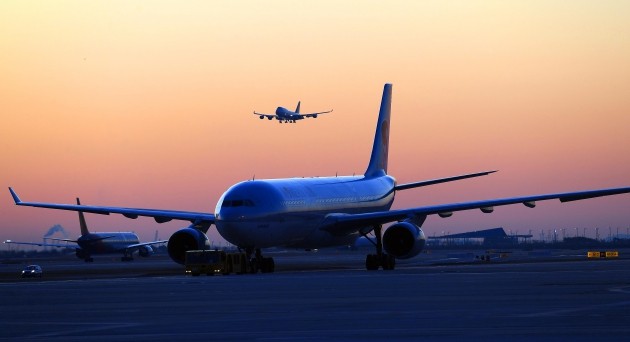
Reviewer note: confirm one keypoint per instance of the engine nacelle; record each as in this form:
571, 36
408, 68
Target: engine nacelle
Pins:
145, 251
186, 239
403, 240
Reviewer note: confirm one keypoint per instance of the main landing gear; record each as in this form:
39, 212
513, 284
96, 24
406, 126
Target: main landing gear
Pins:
380, 259
127, 257
258, 262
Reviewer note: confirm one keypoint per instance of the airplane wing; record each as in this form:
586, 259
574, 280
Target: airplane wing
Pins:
313, 115
341, 224
268, 116
57, 239
41, 244
160, 216
134, 246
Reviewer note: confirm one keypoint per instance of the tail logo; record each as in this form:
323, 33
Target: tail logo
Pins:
384, 145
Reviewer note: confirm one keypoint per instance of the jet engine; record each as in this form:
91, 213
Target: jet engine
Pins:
403, 240
186, 239
145, 251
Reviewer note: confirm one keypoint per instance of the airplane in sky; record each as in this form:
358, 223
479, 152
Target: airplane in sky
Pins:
285, 115
89, 244
311, 213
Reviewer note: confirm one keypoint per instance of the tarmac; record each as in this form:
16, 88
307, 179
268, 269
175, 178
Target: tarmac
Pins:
442, 296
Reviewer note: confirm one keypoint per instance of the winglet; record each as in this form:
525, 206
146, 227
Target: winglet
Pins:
15, 196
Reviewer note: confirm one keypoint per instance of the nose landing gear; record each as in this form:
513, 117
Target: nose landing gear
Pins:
258, 262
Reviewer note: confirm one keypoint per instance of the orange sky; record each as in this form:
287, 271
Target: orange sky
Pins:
148, 104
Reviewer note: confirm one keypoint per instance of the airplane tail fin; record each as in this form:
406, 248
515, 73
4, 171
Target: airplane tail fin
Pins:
378, 159
297, 109
82, 224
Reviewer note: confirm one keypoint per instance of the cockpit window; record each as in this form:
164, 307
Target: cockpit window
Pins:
237, 203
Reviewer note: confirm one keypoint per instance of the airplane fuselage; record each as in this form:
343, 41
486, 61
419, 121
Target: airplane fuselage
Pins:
286, 114
290, 212
105, 242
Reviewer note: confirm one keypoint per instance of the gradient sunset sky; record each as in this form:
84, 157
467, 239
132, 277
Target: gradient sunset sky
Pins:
149, 104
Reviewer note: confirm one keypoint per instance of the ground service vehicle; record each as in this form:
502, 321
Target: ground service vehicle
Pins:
32, 271
213, 262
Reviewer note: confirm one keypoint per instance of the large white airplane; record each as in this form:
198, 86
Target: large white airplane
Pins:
89, 244
285, 115
313, 213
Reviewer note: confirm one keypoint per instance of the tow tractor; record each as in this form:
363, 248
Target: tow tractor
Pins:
211, 262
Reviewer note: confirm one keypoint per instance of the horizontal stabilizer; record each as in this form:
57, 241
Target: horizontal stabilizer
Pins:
441, 180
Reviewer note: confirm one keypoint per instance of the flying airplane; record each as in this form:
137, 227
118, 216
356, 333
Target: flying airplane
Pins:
311, 213
285, 115
89, 244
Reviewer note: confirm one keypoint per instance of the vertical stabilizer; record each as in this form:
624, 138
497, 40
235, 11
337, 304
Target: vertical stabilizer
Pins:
82, 224
297, 109
378, 159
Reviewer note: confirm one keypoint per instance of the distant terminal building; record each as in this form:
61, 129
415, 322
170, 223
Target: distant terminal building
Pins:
486, 237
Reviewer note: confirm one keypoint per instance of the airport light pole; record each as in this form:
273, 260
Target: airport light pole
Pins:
597, 233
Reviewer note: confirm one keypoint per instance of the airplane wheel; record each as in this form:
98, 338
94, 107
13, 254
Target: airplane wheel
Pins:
388, 262
268, 265
242, 262
371, 262
254, 265
272, 265
264, 265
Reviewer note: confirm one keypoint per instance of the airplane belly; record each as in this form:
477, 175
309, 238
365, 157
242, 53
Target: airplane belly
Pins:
265, 234
322, 239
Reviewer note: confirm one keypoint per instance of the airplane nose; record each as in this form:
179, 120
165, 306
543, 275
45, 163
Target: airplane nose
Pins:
231, 214
230, 232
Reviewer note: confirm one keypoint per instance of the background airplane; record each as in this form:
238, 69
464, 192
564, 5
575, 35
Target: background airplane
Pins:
321, 212
285, 115
89, 244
